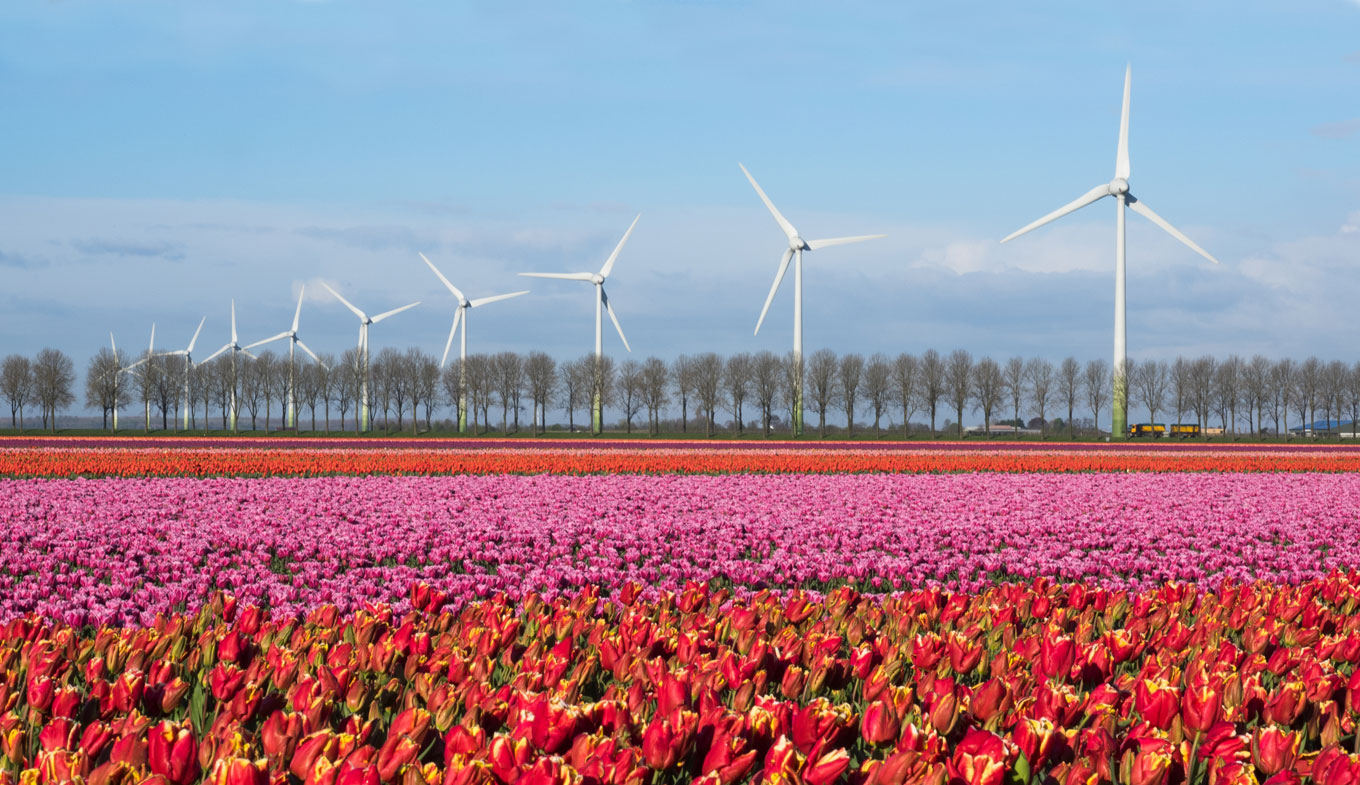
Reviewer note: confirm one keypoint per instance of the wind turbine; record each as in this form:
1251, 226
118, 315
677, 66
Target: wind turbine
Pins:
293, 341
236, 348
188, 354
1119, 189
118, 370
464, 305
601, 303
795, 253
364, 321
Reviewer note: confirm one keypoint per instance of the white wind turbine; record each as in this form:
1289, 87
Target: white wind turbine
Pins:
1119, 189
364, 321
601, 304
464, 305
293, 341
188, 354
236, 348
795, 253
119, 369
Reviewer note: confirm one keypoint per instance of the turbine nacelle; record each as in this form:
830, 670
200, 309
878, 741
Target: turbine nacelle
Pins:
1118, 185
597, 279
797, 243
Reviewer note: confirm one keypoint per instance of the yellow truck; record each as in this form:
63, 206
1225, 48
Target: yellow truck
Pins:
1155, 430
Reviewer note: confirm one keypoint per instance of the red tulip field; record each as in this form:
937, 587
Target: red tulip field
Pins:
175, 612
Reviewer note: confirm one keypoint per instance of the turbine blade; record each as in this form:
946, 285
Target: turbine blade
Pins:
233, 321
304, 348
151, 347
457, 316
248, 354
298, 313
778, 278
1121, 161
113, 345
495, 298
614, 319
815, 244
609, 263
1078, 203
193, 340
561, 276
784, 224
394, 312
347, 303
450, 286
1146, 212
214, 354
268, 340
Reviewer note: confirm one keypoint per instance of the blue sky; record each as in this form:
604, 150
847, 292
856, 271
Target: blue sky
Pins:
161, 158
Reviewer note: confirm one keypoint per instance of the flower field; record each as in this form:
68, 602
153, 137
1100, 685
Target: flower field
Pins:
207, 458
462, 612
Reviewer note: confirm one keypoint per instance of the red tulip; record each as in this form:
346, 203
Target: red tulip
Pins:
1274, 749
1333, 766
666, 740
827, 768
1157, 702
979, 759
1056, 655
507, 757
1036, 740
990, 699
239, 771
727, 759
1288, 702
397, 752
172, 753
41, 691
1200, 707
1146, 762
880, 724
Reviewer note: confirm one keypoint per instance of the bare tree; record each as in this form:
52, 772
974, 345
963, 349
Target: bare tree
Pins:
1148, 382
167, 387
1255, 382
452, 380
602, 375
877, 387
1283, 390
1353, 395
509, 370
628, 391
426, 384
682, 376
541, 370
481, 384
1202, 387
766, 373
708, 371
1069, 386
795, 370
54, 378
574, 381
655, 381
1040, 375
226, 379
1181, 385
1014, 386
932, 383
958, 383
1307, 381
737, 373
327, 378
849, 373
1227, 391
102, 390
348, 375
906, 379
1335, 381
16, 382
1097, 382
821, 383
251, 388
146, 371
988, 389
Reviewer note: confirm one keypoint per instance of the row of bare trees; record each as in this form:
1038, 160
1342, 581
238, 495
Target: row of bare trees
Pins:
707, 391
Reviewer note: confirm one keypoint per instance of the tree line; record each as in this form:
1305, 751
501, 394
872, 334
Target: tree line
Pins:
708, 391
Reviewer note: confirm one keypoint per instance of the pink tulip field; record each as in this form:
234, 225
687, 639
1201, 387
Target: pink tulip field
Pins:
101, 551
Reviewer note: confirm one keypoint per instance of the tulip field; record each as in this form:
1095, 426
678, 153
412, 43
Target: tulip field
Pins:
461, 612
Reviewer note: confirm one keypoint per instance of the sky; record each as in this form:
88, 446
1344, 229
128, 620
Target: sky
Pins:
160, 159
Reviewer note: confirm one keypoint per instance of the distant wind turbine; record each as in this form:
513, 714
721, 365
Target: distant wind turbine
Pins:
460, 315
364, 321
293, 341
146, 358
1119, 189
795, 253
601, 304
188, 354
236, 348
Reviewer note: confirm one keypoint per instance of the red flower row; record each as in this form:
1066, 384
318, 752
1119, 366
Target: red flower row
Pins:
1041, 683
197, 462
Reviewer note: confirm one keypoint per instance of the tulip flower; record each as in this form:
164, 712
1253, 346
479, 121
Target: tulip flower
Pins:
980, 758
172, 753
1274, 749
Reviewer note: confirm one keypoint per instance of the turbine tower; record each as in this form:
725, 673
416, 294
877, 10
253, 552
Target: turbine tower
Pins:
364, 321
188, 354
464, 304
293, 341
119, 369
1119, 189
795, 252
601, 304
236, 348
